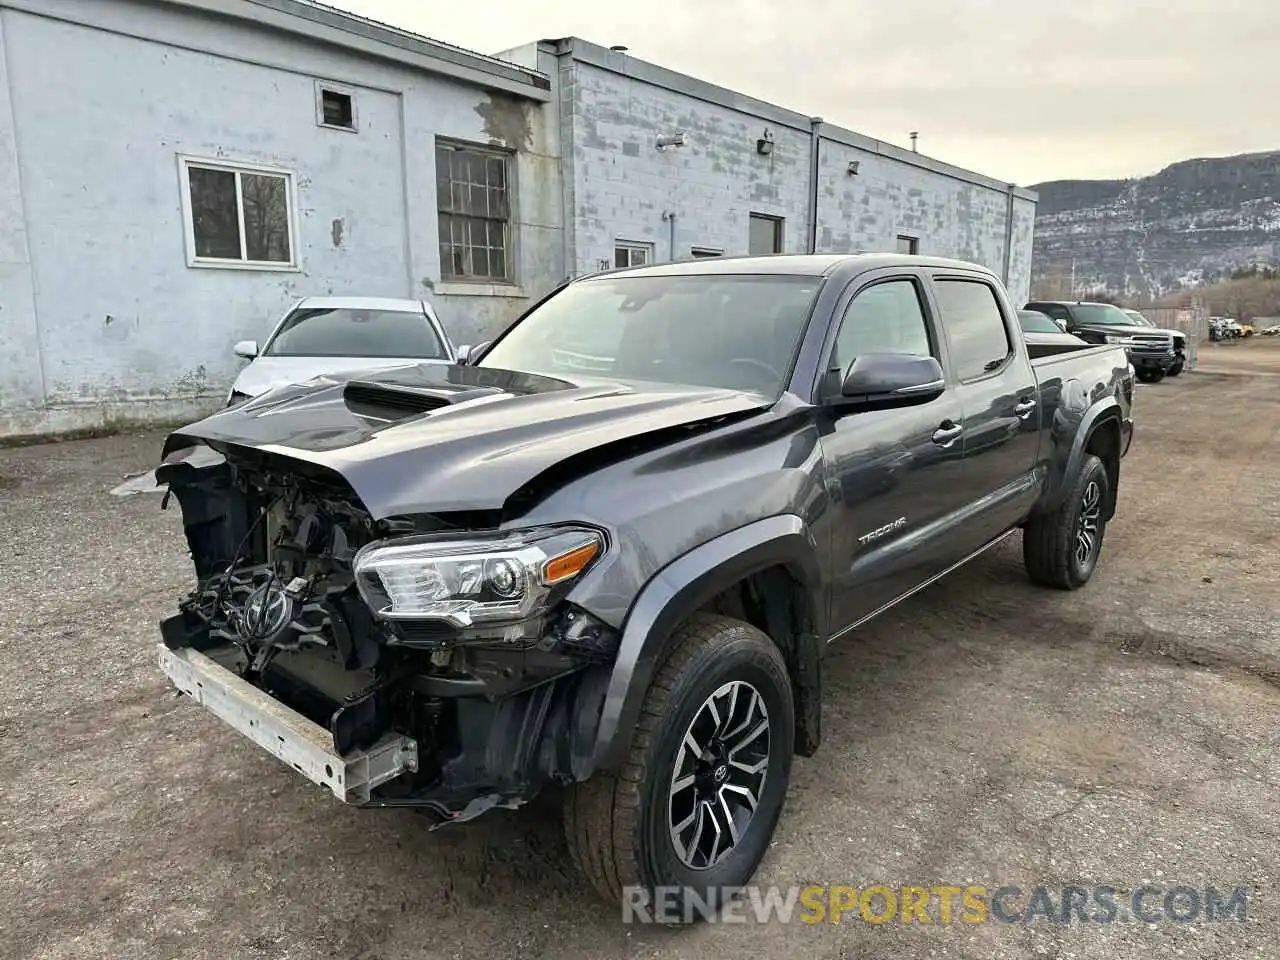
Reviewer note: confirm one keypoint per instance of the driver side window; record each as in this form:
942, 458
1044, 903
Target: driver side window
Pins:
883, 318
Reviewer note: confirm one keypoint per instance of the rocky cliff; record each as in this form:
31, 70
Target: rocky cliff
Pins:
1192, 222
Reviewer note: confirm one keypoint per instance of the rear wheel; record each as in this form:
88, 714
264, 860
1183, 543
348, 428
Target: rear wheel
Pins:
691, 813
1061, 549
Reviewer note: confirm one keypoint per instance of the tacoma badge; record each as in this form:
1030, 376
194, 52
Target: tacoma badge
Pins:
879, 532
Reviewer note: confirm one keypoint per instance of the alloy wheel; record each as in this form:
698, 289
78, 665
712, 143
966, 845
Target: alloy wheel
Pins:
719, 775
1087, 535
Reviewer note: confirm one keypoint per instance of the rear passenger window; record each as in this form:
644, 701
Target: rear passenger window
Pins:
975, 327
884, 318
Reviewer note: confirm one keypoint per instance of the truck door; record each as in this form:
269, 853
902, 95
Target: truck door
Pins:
998, 388
893, 475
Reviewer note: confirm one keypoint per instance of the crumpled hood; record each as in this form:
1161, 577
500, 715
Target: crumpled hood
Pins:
489, 432
267, 373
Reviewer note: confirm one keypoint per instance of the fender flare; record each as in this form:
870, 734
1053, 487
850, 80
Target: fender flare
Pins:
680, 588
1105, 408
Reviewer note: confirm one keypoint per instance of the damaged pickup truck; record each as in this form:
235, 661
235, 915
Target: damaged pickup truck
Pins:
616, 568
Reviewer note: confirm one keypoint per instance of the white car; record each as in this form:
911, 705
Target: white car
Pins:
335, 335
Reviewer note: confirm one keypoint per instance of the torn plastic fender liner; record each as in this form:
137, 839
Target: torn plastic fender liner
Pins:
214, 522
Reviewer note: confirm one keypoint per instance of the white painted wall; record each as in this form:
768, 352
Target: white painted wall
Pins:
100, 315
102, 319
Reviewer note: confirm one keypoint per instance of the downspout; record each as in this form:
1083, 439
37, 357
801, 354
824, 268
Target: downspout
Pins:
670, 217
815, 142
1008, 236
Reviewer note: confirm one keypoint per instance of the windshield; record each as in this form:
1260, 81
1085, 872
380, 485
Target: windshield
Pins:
334, 332
1138, 318
1035, 322
1102, 313
716, 330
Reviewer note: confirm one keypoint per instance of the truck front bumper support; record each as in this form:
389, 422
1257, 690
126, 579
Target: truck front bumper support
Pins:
285, 733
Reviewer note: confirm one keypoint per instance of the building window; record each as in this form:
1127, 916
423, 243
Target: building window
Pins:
335, 107
474, 202
764, 235
238, 215
701, 253
908, 244
627, 254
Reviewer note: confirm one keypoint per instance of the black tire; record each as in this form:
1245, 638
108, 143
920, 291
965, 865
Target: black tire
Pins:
1050, 541
1177, 366
619, 827
1148, 375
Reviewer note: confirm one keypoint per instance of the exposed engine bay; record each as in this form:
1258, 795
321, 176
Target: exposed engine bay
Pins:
497, 704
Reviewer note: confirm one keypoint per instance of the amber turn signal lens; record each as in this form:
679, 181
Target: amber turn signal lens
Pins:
569, 564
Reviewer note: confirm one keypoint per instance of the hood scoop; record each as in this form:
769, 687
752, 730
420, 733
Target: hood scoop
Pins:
389, 402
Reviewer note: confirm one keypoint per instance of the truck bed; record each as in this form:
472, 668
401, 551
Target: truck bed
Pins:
1044, 352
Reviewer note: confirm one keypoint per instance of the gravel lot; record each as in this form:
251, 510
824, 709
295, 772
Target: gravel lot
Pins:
983, 732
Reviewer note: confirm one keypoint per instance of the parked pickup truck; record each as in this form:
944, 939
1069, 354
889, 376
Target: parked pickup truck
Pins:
1154, 353
452, 586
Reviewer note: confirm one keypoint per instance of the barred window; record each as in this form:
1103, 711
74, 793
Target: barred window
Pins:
474, 205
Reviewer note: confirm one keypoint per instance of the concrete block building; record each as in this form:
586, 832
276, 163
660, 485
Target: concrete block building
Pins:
174, 173
660, 165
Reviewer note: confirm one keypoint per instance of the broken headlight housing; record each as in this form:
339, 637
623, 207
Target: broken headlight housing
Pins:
503, 577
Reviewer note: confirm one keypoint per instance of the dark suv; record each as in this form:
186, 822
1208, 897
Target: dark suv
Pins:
1154, 353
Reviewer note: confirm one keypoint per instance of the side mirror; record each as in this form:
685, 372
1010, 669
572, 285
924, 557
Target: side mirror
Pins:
461, 353
892, 378
246, 348
473, 353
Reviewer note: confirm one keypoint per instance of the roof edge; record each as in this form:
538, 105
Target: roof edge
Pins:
327, 25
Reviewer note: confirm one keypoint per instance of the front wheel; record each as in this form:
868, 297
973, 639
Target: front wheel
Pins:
690, 815
1177, 365
1150, 374
1061, 549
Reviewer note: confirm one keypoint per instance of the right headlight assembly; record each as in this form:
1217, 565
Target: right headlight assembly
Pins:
494, 578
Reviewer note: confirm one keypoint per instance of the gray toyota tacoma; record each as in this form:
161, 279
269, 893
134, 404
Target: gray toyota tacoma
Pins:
607, 551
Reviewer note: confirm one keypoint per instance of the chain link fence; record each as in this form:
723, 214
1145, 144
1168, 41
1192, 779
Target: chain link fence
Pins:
1192, 320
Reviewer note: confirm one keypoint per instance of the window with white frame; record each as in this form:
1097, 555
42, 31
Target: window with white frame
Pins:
335, 107
238, 215
473, 200
629, 254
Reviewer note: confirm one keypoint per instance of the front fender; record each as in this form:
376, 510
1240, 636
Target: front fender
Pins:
677, 591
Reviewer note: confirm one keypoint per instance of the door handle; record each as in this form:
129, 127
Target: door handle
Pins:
947, 433
1023, 408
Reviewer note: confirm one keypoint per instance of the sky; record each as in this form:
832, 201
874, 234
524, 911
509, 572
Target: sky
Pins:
1021, 90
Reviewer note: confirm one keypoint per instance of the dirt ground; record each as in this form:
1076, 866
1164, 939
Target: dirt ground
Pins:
983, 732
